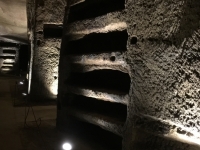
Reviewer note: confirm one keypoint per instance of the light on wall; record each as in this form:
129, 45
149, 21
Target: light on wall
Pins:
54, 87
193, 140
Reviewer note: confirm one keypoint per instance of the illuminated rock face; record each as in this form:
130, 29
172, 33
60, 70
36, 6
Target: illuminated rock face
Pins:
164, 68
48, 31
161, 56
45, 69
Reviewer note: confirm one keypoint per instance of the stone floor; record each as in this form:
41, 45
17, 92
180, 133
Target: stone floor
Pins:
13, 135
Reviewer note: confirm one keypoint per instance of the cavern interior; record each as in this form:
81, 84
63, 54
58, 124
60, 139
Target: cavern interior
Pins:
100, 74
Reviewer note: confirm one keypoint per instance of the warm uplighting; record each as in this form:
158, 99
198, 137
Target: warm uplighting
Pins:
54, 87
190, 137
67, 146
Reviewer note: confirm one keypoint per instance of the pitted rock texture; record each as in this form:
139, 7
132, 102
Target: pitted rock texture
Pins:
163, 65
45, 71
49, 11
46, 50
164, 62
144, 141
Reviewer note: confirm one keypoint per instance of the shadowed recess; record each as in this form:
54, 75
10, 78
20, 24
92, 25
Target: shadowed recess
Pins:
94, 8
8, 63
97, 137
24, 56
98, 107
52, 31
7, 57
104, 80
6, 44
99, 42
134, 40
9, 51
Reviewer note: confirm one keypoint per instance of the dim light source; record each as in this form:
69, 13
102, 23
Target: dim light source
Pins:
24, 94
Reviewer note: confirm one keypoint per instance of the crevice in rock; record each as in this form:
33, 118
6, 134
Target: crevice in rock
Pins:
99, 42
52, 31
116, 111
94, 8
9, 51
7, 57
104, 80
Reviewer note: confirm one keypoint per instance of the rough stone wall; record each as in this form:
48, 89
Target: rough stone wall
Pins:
162, 60
46, 50
164, 68
46, 72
